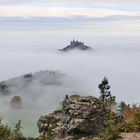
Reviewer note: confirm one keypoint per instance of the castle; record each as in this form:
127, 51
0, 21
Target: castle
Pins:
76, 43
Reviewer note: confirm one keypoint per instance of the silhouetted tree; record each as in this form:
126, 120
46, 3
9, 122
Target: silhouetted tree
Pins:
104, 88
105, 94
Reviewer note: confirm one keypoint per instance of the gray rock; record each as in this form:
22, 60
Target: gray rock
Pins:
80, 115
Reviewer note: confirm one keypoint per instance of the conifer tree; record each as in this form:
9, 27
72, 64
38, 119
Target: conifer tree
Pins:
105, 94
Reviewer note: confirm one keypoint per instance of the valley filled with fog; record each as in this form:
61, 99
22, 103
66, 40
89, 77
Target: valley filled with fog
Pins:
31, 45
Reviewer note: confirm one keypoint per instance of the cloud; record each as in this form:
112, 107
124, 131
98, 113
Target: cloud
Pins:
72, 1
64, 8
131, 4
60, 11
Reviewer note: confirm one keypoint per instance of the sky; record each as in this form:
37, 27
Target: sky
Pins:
65, 8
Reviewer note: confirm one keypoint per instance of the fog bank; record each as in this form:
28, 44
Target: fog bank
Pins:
32, 47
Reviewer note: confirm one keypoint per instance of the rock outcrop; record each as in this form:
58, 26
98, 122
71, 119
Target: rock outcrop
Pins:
80, 116
16, 102
76, 45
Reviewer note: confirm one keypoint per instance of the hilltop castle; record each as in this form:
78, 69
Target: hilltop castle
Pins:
75, 44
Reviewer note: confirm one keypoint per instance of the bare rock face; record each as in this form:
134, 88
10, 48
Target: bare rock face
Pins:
80, 116
16, 102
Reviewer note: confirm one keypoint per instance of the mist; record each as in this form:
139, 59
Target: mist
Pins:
28, 47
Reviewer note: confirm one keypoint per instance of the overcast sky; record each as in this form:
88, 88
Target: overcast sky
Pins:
66, 8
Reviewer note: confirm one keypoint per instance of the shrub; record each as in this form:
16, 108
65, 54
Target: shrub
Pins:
4, 88
111, 131
137, 120
16, 133
5, 131
28, 75
8, 133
